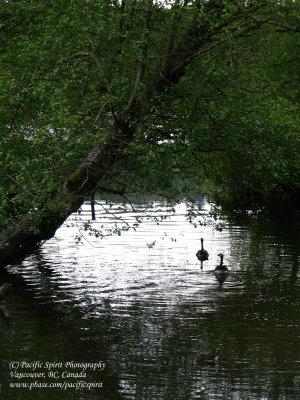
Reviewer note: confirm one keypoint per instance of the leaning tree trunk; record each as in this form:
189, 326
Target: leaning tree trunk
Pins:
20, 240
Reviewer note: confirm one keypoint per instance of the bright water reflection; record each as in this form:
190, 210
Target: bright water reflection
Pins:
162, 325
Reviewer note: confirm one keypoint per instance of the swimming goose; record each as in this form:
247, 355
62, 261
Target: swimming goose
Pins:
221, 271
202, 254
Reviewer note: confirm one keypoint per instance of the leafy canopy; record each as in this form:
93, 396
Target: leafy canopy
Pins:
210, 89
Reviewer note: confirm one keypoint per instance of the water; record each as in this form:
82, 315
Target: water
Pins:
161, 325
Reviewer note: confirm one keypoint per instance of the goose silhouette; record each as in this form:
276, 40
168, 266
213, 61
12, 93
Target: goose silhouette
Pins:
221, 271
202, 254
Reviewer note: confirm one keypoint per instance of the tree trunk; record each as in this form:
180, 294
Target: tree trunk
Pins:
19, 241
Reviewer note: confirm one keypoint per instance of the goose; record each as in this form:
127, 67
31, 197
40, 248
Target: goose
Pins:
221, 271
202, 254
4, 289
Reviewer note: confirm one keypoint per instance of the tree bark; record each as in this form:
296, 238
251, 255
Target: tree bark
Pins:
18, 241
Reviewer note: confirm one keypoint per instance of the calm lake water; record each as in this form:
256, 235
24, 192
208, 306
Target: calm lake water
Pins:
157, 325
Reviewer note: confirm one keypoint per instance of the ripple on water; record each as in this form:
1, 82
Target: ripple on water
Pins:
169, 330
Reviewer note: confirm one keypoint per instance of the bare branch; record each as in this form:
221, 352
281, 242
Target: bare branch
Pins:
143, 54
101, 69
286, 28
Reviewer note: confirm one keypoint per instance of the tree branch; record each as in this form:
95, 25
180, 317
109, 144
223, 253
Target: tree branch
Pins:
142, 56
101, 69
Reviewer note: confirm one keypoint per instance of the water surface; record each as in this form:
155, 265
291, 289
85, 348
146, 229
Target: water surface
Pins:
161, 324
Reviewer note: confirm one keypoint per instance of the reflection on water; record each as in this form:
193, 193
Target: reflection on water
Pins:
162, 325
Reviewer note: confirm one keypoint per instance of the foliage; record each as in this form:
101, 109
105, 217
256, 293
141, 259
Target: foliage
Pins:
223, 120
